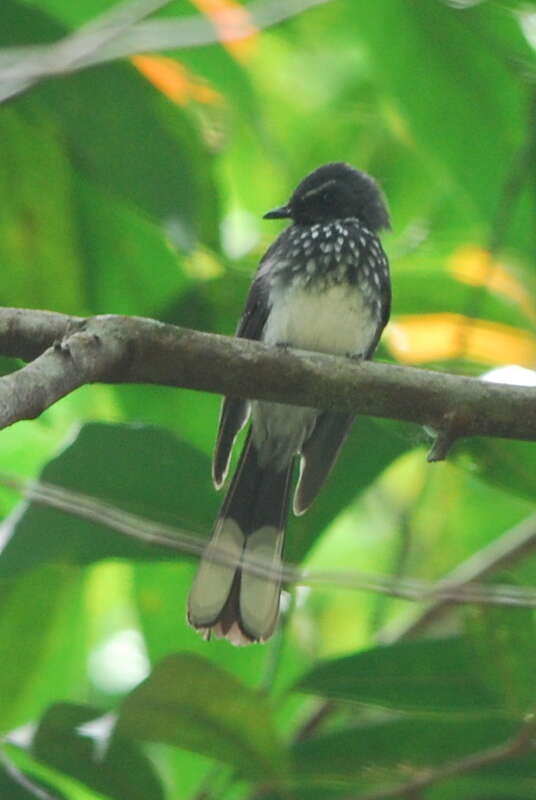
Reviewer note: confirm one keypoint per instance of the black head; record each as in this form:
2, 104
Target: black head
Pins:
336, 191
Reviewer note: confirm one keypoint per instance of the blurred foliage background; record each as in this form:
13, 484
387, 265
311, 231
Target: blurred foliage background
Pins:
138, 187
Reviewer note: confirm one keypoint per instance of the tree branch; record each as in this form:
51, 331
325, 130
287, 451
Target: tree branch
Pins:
69, 352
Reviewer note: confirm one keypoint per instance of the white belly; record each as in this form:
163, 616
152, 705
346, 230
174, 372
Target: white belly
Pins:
329, 320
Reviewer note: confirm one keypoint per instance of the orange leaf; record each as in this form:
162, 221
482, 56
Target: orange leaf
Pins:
233, 23
420, 338
477, 266
174, 81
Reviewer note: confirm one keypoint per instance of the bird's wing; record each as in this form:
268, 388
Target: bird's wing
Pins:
235, 410
318, 456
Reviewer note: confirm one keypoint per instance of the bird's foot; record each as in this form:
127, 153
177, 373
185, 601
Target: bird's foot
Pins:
357, 357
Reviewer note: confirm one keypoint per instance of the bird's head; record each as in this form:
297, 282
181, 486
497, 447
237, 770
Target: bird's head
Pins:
335, 191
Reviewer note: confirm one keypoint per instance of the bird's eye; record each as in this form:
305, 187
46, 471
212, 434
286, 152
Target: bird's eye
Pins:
325, 197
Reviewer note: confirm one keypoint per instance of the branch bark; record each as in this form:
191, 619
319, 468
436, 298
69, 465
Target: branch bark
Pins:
69, 352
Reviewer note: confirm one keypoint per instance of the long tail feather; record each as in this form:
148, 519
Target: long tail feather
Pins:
226, 600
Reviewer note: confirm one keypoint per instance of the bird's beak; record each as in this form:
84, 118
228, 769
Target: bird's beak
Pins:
283, 212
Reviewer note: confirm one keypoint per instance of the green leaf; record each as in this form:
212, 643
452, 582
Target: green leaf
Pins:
160, 592
504, 646
122, 134
504, 463
120, 770
444, 66
11, 788
61, 785
191, 703
313, 792
124, 252
440, 292
460, 509
72, 13
487, 785
402, 744
25, 450
370, 448
141, 469
170, 481
38, 244
41, 632
428, 675
106, 115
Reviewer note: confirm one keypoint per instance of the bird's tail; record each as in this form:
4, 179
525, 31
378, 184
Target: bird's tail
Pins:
226, 600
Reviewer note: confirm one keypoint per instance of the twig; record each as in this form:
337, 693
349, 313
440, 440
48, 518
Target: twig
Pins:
401, 555
315, 721
511, 546
21, 67
444, 439
504, 551
22, 780
114, 35
154, 534
519, 745
117, 349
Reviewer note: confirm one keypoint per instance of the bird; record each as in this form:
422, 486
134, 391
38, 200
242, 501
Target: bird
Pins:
322, 286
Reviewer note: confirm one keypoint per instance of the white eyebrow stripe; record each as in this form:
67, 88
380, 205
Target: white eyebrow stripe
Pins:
320, 188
